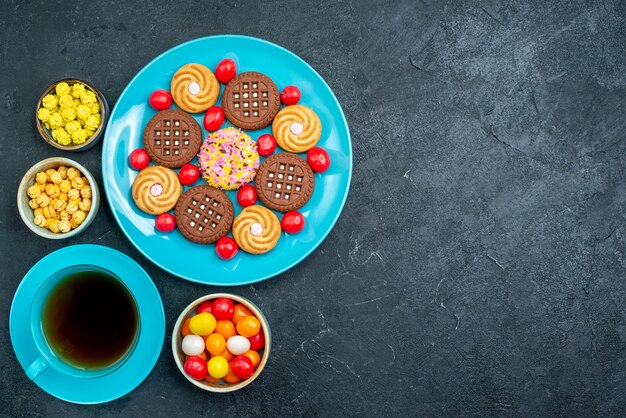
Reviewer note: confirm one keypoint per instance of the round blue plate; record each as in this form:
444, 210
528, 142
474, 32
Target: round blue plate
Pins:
135, 369
171, 251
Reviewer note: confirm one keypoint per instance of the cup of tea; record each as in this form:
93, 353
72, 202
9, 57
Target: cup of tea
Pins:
84, 321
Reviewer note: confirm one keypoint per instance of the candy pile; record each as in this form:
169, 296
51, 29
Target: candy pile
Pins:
71, 113
221, 341
60, 199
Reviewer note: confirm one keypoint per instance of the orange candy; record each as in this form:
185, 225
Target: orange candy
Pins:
240, 312
226, 328
201, 355
231, 377
215, 344
211, 379
185, 329
254, 357
248, 326
226, 354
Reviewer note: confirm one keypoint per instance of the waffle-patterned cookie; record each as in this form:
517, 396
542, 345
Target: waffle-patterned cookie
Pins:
297, 128
256, 229
204, 214
156, 190
284, 182
251, 100
194, 88
172, 138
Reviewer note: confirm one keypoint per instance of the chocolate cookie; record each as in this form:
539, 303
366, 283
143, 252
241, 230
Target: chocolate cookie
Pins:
172, 138
251, 100
284, 182
204, 214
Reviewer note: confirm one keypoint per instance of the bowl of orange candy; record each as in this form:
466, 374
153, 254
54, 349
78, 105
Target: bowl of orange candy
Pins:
221, 342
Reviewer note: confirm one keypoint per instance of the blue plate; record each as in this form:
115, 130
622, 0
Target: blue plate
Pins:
171, 251
135, 369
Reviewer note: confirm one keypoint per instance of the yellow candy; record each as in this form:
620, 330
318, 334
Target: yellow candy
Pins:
62, 89
43, 114
78, 183
33, 191
76, 103
92, 122
65, 216
42, 187
52, 190
77, 90
79, 137
39, 220
95, 107
85, 191
85, 205
62, 137
50, 101
88, 97
49, 212
83, 112
65, 186
202, 323
33, 204
47, 125
72, 126
42, 200
55, 120
72, 173
71, 208
217, 367
73, 194
53, 225
41, 177
63, 197
78, 217
38, 211
62, 171
65, 225
56, 177
68, 114
66, 101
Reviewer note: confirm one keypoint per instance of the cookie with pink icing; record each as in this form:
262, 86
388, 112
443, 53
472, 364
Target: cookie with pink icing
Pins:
228, 159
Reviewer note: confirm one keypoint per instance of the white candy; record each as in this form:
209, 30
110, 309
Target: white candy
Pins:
193, 345
238, 344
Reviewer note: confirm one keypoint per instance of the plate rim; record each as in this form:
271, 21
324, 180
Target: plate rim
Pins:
290, 265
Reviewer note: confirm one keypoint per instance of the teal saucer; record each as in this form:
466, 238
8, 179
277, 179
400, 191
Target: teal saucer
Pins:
135, 369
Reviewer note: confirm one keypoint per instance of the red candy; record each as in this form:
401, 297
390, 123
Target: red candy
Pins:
188, 174
292, 222
226, 248
139, 159
160, 99
223, 308
242, 367
290, 95
196, 368
204, 307
225, 70
266, 144
318, 159
246, 196
213, 118
257, 342
165, 222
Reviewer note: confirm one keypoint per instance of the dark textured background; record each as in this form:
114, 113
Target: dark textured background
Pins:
479, 266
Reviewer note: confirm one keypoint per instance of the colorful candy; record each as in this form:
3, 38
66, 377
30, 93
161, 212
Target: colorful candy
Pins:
266, 145
165, 222
139, 159
160, 99
225, 70
193, 345
247, 196
226, 334
189, 174
318, 159
226, 248
292, 222
290, 95
213, 118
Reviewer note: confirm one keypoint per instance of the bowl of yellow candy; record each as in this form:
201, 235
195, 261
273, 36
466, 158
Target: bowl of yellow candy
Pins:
71, 115
58, 198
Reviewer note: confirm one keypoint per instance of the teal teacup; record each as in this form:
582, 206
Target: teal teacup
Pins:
84, 321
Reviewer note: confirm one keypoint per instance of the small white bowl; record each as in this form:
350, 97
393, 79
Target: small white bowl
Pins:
26, 213
179, 356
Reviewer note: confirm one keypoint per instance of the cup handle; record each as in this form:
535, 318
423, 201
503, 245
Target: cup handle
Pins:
36, 368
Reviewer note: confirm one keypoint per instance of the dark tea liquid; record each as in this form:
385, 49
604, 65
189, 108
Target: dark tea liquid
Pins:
90, 319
